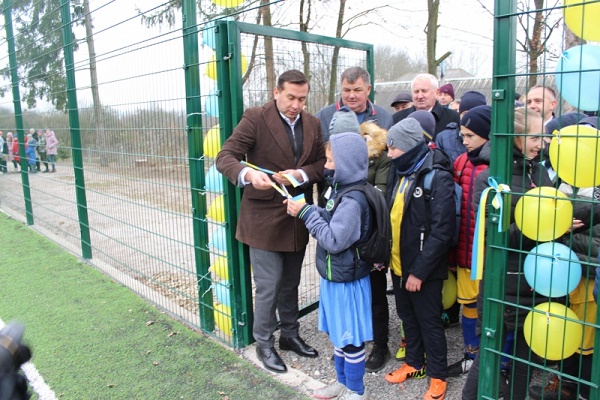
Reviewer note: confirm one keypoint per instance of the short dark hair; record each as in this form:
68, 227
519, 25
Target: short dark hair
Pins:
353, 73
292, 76
548, 88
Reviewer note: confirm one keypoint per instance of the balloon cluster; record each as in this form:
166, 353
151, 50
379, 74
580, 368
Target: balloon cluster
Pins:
551, 269
221, 288
578, 70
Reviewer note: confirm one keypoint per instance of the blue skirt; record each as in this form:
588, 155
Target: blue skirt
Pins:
345, 311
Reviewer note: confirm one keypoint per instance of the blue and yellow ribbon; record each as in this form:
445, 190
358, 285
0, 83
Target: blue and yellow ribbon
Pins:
478, 255
289, 177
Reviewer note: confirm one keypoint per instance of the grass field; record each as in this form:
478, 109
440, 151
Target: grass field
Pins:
94, 339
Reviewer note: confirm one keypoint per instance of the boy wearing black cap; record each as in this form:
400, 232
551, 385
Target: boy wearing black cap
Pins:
450, 139
475, 128
422, 230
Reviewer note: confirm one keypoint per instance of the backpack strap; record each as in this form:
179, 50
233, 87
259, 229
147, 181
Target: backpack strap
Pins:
357, 192
427, 182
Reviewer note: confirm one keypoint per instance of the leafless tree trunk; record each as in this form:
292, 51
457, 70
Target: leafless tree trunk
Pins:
98, 123
535, 45
304, 28
336, 52
433, 7
269, 58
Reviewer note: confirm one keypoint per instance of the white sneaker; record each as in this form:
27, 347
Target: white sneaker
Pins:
350, 395
332, 391
460, 367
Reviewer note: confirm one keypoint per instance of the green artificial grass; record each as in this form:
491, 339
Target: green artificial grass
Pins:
92, 338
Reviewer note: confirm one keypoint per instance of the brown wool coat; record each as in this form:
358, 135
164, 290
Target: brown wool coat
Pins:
260, 139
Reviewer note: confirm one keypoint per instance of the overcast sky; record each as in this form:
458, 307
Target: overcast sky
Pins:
465, 30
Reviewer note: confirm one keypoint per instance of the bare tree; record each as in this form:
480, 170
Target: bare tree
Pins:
98, 121
534, 45
268, 43
305, 7
336, 52
433, 8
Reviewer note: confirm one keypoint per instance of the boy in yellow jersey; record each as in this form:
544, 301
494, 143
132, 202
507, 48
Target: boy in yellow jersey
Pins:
422, 231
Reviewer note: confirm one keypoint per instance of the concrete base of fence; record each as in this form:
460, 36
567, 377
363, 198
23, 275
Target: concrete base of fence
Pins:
293, 378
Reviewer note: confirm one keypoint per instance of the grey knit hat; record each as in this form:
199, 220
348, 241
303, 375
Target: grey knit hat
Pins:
405, 135
344, 120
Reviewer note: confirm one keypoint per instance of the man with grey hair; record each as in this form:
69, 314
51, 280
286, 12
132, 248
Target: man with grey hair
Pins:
356, 88
425, 89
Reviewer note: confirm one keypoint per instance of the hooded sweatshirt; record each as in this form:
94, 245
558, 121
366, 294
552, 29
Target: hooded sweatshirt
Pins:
337, 233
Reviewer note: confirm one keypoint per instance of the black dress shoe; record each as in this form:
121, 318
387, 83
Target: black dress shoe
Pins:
271, 359
298, 346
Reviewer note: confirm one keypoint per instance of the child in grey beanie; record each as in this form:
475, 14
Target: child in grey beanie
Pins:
405, 135
344, 120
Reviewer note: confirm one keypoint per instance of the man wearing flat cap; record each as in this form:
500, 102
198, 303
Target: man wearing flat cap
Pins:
402, 101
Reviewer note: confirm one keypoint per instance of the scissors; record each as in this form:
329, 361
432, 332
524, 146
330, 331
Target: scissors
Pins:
287, 194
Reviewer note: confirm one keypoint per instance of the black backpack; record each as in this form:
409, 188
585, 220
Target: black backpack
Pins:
377, 246
457, 199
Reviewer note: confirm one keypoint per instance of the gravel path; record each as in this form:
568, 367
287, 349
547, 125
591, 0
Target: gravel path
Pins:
317, 372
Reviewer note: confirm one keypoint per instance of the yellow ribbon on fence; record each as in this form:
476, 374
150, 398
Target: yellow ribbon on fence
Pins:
478, 254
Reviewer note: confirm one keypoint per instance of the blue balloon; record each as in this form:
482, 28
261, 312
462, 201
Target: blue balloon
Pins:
552, 269
208, 35
214, 180
211, 105
580, 89
222, 292
219, 240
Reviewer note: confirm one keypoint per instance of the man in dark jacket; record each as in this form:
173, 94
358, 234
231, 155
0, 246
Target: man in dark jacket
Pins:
422, 231
424, 91
355, 87
278, 136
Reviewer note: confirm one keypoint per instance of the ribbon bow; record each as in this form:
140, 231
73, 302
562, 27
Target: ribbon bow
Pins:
478, 254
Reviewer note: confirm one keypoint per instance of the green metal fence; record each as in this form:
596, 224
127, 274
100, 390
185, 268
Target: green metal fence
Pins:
135, 192
516, 23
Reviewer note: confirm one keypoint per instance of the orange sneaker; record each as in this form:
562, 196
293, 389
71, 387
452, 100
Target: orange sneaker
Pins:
403, 373
437, 390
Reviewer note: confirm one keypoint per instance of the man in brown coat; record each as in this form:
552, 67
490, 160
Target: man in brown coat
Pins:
281, 137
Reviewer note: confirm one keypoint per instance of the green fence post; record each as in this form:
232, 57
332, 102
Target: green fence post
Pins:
500, 167
196, 162
231, 108
14, 77
371, 69
67, 35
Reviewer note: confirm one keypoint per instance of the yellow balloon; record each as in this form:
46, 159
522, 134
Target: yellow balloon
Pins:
575, 156
211, 67
583, 20
212, 142
227, 3
449, 291
220, 268
223, 318
216, 210
542, 218
550, 336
